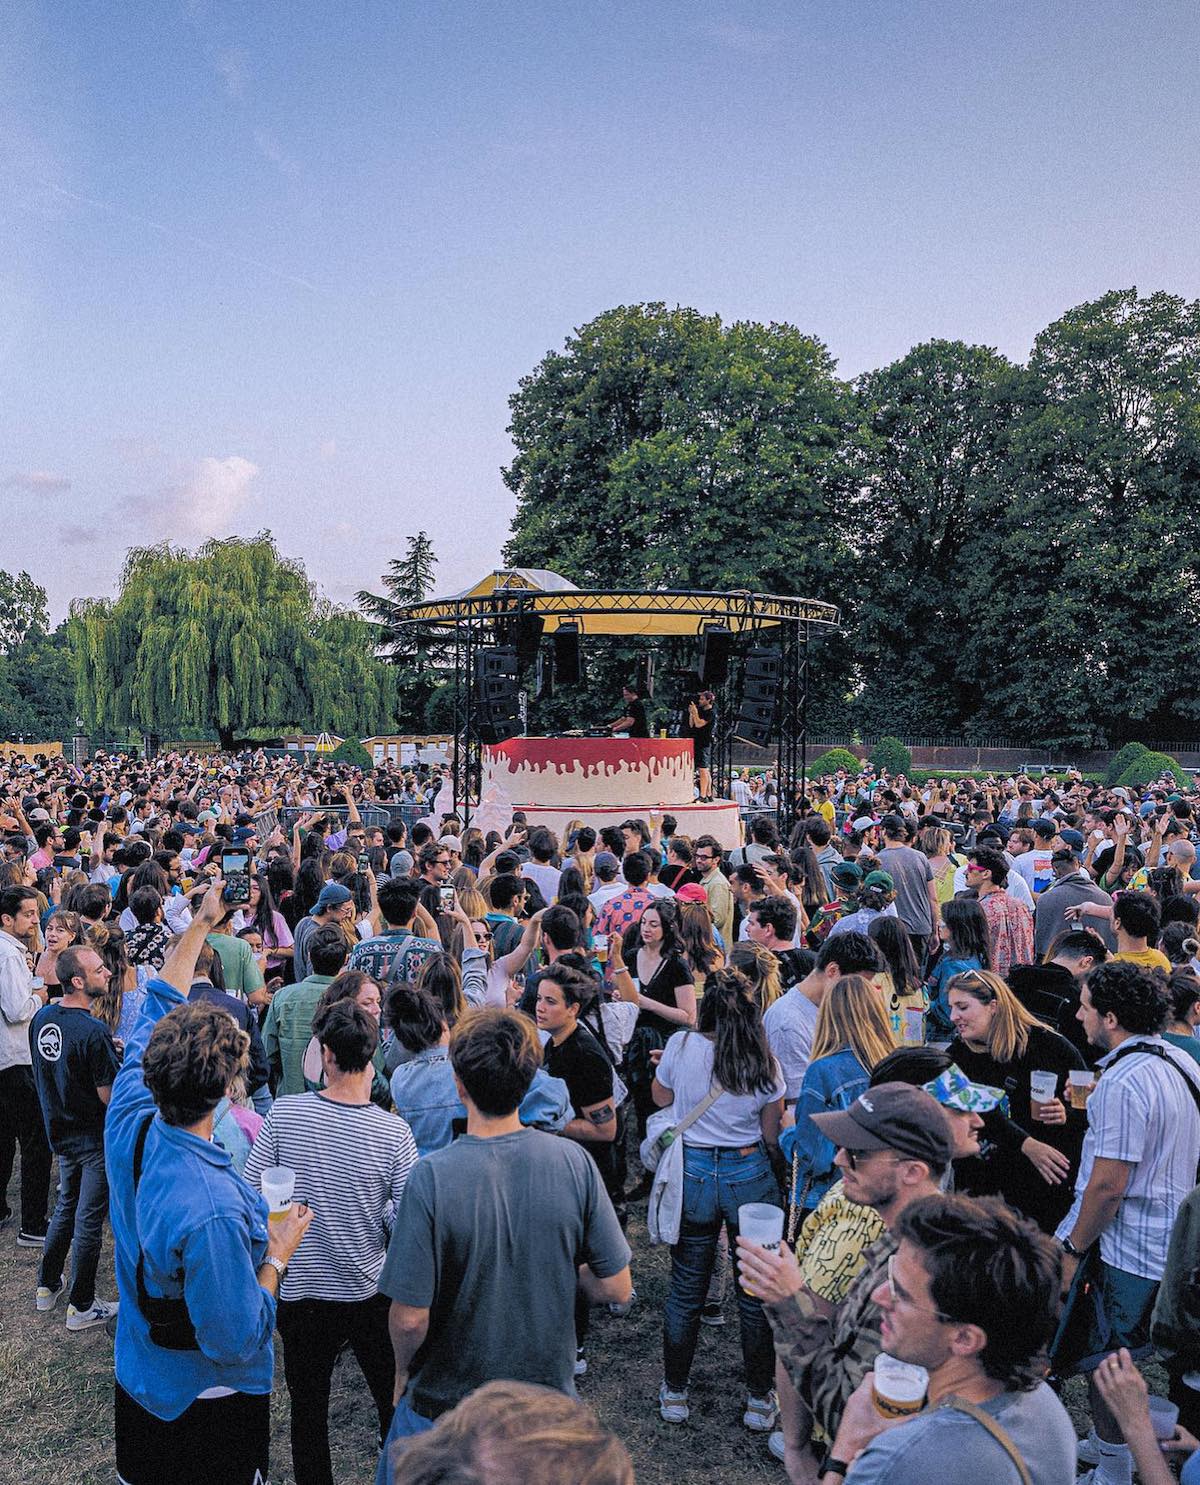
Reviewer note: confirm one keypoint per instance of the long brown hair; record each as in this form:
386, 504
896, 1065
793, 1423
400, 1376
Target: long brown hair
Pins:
852, 1016
696, 938
742, 1059
761, 968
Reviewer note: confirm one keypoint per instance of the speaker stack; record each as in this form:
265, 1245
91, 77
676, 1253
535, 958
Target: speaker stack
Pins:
759, 710
715, 644
495, 694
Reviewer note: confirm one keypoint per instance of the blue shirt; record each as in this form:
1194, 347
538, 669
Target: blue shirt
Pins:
943, 972
831, 1084
203, 1231
425, 1097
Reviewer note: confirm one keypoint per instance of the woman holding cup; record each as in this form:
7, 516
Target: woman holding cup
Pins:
1035, 1145
727, 1167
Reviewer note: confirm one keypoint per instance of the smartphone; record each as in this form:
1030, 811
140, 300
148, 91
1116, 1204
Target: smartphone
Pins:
235, 869
364, 862
446, 898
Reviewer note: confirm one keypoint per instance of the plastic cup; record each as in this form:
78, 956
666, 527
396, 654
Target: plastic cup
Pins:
899, 1387
600, 946
761, 1224
278, 1183
1082, 1081
1043, 1086
1164, 1416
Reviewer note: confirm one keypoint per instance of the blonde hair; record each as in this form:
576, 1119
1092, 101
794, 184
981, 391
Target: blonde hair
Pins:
1008, 1035
471, 900
761, 968
852, 1016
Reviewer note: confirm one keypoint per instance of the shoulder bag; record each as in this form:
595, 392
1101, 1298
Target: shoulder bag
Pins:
662, 1152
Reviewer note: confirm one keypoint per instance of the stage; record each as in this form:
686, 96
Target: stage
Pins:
603, 781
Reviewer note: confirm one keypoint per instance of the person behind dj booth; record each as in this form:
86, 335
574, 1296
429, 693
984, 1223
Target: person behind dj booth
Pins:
698, 725
632, 721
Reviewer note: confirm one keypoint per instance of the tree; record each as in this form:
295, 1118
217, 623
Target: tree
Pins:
1122, 760
929, 454
408, 580
830, 762
891, 756
230, 637
23, 610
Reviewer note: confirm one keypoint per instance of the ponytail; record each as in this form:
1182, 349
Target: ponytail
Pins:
742, 1059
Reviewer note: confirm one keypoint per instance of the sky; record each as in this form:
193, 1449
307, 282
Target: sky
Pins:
281, 265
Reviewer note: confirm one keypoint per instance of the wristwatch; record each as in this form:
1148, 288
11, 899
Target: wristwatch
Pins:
1069, 1247
276, 1263
832, 1466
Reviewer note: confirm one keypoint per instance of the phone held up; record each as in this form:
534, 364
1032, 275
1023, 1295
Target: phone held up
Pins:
235, 869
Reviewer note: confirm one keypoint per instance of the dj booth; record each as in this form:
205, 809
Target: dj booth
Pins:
603, 781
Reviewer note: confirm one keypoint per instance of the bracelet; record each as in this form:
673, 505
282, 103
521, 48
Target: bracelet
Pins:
270, 1261
1069, 1248
832, 1466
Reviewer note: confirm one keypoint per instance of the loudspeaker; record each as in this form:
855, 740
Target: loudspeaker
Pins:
645, 677
568, 668
715, 644
495, 688
764, 664
523, 633
755, 722
759, 691
496, 728
497, 660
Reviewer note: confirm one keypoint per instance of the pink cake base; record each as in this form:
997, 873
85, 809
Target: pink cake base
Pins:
719, 819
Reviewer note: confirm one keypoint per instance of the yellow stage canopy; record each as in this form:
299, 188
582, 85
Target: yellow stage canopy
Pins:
511, 592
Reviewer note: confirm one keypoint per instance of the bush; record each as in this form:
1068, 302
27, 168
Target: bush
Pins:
1128, 755
833, 760
352, 753
890, 755
1149, 767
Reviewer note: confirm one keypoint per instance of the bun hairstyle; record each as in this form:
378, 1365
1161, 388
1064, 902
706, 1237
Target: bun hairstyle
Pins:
729, 1013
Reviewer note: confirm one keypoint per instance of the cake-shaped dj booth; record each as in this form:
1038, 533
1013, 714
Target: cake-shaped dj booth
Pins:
604, 780
750, 649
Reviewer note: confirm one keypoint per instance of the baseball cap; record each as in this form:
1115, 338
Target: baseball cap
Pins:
451, 842
880, 879
40, 815
892, 1116
847, 874
1045, 829
606, 862
333, 894
691, 892
1072, 839
955, 1091
242, 834
864, 822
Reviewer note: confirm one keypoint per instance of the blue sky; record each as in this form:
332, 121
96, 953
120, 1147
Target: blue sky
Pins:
281, 262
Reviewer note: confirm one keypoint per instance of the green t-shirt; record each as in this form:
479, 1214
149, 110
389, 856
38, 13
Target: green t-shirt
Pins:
242, 974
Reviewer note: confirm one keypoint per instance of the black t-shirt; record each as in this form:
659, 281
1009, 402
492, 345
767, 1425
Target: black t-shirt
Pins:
73, 1055
581, 1064
671, 974
791, 970
637, 711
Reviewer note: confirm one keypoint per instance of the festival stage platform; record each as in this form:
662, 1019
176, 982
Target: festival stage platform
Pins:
602, 781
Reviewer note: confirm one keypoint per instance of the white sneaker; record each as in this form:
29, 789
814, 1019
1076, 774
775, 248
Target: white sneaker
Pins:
101, 1313
673, 1406
48, 1298
580, 1362
776, 1445
1086, 1451
762, 1413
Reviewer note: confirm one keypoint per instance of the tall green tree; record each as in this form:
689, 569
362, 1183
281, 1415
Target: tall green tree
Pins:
230, 637
420, 664
929, 454
23, 610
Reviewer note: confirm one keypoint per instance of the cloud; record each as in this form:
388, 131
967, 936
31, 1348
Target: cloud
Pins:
37, 482
234, 71
78, 536
739, 38
210, 499
270, 149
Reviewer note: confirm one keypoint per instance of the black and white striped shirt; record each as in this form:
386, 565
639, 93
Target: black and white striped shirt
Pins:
351, 1163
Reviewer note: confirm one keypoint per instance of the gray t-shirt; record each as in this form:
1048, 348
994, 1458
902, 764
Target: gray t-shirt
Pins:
790, 1024
911, 873
489, 1236
952, 1448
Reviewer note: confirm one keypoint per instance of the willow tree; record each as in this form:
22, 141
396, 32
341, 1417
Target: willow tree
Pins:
228, 638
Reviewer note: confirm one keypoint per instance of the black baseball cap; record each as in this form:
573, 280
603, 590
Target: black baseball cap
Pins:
892, 1116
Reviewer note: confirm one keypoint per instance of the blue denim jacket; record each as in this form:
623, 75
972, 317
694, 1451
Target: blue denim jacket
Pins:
424, 1094
195, 1216
830, 1084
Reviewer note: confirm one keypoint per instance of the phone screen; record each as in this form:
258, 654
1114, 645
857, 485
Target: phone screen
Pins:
447, 898
235, 869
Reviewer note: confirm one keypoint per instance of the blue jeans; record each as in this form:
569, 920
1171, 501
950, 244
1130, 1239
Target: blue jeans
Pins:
405, 1425
715, 1184
78, 1223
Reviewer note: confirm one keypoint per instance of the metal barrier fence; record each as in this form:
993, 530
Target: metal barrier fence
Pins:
377, 813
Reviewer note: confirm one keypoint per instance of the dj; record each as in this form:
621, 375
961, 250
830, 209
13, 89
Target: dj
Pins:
632, 721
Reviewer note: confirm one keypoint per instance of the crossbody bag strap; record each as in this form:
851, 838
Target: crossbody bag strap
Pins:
701, 1108
1162, 1056
1001, 1435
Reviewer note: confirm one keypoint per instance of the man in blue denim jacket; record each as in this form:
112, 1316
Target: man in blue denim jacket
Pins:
199, 1407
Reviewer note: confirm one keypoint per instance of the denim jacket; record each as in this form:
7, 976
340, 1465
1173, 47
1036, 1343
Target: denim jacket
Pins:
196, 1219
830, 1084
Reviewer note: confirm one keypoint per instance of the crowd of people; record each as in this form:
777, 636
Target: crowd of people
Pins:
398, 1089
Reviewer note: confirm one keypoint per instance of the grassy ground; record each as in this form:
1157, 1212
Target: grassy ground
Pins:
56, 1391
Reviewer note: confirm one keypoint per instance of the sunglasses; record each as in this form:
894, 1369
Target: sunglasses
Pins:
854, 1158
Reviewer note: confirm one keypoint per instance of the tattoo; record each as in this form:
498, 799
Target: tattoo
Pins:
602, 1114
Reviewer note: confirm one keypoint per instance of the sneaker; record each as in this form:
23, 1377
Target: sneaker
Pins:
621, 1309
762, 1413
48, 1298
1086, 1451
580, 1362
101, 1312
672, 1406
712, 1314
776, 1446
31, 1239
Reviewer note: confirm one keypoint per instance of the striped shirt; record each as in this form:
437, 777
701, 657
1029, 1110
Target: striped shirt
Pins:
1141, 1113
351, 1163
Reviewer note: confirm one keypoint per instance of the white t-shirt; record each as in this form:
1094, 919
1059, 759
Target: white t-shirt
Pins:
733, 1120
1016, 886
546, 877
